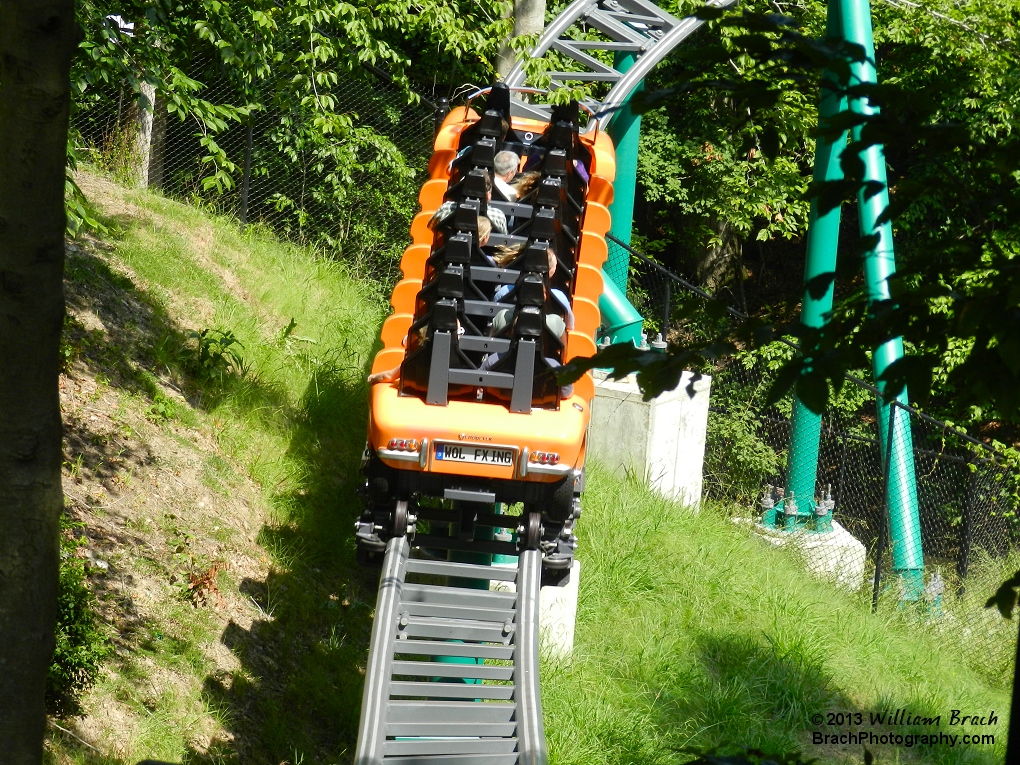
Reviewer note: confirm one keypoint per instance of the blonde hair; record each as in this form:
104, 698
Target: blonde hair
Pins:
484, 229
527, 183
505, 253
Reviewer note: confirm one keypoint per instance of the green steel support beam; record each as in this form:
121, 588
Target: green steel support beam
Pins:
822, 245
879, 265
621, 322
625, 130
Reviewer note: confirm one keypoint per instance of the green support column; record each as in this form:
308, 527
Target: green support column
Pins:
822, 244
879, 265
482, 533
622, 322
625, 130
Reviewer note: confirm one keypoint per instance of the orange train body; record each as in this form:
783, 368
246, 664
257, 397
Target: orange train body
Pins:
481, 425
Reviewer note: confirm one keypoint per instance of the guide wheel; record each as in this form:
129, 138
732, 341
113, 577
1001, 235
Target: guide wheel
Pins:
532, 536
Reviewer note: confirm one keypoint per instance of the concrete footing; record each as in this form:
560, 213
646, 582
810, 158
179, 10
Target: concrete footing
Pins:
836, 555
662, 440
557, 614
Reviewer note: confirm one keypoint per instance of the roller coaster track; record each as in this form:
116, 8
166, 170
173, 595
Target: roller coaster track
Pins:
636, 27
452, 674
428, 720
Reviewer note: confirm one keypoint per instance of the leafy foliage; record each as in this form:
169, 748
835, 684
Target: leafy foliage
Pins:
295, 70
216, 355
957, 200
81, 644
1006, 597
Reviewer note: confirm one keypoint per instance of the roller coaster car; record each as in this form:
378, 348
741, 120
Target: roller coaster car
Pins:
476, 414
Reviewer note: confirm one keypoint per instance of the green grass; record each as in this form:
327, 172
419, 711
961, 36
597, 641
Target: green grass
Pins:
691, 633
295, 423
290, 414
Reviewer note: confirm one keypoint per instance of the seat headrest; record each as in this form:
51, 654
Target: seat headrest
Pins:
484, 152
530, 290
474, 184
499, 100
491, 124
567, 113
444, 316
458, 249
549, 192
466, 217
450, 282
536, 258
555, 163
529, 322
543, 225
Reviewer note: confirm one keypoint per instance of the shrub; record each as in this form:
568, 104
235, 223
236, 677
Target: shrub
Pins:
81, 644
740, 461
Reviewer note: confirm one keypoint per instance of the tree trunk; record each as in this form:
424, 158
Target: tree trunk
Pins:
37, 41
718, 264
529, 19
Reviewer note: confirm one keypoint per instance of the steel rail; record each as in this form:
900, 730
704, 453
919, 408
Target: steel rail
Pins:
635, 26
530, 729
372, 726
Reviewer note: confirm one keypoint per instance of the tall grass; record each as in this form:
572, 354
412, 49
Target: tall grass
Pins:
290, 412
691, 633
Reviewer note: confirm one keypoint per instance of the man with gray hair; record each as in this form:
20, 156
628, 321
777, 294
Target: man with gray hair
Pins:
505, 166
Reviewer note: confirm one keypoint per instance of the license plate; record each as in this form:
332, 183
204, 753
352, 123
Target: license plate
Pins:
479, 455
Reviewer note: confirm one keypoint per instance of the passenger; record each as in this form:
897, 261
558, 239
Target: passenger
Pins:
467, 149
484, 230
526, 183
504, 254
389, 375
557, 295
505, 166
579, 168
555, 325
496, 217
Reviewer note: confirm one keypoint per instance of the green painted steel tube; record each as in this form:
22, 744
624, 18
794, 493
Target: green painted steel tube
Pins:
625, 130
620, 320
822, 245
879, 265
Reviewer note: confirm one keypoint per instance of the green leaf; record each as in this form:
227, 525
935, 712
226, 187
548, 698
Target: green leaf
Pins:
1005, 598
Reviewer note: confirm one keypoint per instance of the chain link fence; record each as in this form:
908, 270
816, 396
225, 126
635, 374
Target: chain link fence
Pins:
352, 194
349, 189
930, 546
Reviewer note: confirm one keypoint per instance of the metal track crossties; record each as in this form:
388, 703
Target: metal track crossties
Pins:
416, 711
637, 27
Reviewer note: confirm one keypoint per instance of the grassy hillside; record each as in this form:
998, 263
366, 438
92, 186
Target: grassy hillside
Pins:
214, 475
694, 634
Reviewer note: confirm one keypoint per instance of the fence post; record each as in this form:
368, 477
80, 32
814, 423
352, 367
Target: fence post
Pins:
246, 180
842, 465
442, 109
883, 528
967, 528
665, 309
